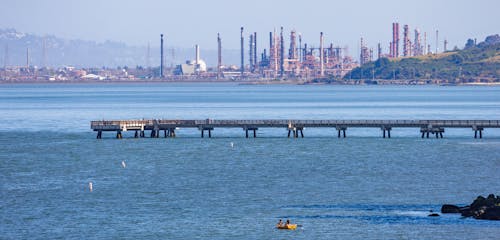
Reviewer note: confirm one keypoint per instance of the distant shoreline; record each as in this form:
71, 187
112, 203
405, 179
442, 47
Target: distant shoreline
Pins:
254, 82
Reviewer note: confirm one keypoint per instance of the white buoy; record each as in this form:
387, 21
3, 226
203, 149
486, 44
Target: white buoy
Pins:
90, 186
232, 144
123, 164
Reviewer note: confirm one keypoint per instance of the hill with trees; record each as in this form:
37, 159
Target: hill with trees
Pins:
476, 63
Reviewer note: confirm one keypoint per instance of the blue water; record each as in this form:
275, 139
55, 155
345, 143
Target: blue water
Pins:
361, 187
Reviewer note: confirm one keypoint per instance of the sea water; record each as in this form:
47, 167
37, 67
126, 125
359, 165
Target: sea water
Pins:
230, 187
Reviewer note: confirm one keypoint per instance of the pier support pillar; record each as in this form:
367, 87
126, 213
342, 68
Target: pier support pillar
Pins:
254, 129
341, 129
294, 131
341, 133
141, 134
437, 131
298, 130
136, 134
476, 130
386, 129
203, 132
171, 132
119, 134
99, 134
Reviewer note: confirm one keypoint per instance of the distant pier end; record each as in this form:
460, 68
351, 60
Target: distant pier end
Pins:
295, 127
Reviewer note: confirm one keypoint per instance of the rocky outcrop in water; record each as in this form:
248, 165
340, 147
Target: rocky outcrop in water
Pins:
448, 208
482, 208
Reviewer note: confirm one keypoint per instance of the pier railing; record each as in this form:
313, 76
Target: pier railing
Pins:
292, 125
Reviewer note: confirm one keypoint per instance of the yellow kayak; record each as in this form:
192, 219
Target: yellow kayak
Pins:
288, 227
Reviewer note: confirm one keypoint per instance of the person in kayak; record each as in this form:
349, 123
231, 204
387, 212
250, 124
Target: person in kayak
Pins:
280, 224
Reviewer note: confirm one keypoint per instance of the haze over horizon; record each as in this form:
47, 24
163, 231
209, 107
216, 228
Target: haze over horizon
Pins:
184, 25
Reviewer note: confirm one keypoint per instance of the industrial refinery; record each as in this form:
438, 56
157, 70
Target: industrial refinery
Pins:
284, 56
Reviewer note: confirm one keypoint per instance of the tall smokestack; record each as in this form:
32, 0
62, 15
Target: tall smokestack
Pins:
395, 40
219, 57
329, 53
292, 53
270, 41
417, 45
282, 54
275, 53
437, 41
242, 53
425, 43
255, 51
406, 41
271, 51
321, 55
250, 46
304, 54
300, 47
197, 54
379, 51
161, 55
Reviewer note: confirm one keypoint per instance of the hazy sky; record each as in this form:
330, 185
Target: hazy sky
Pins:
186, 23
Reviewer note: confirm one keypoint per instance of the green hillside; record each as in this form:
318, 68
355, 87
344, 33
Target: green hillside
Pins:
475, 63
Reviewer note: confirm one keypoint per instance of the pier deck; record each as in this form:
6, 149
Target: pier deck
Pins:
427, 127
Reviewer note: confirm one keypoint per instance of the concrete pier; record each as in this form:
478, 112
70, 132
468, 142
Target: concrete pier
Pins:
295, 127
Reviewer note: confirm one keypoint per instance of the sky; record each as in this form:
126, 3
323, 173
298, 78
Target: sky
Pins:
186, 23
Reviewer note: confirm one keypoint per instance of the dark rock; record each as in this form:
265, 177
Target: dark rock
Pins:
479, 202
488, 213
483, 208
466, 211
433, 215
448, 208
